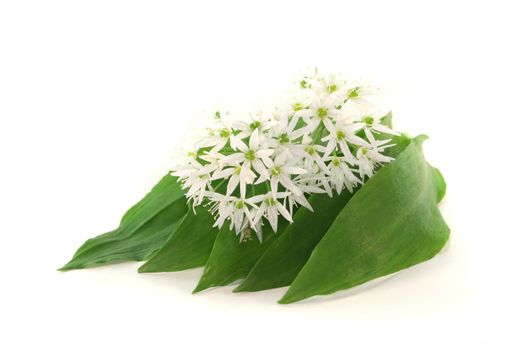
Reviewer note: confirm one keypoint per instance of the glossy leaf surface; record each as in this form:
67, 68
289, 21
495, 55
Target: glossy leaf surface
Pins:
390, 224
189, 246
142, 231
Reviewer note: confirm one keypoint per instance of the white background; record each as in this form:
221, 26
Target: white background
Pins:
95, 95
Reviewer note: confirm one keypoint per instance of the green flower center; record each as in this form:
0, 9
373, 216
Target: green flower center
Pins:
254, 125
310, 150
340, 135
249, 155
276, 171
283, 139
332, 88
297, 106
237, 171
353, 93
369, 121
322, 112
218, 115
224, 133
303, 83
336, 162
270, 201
364, 150
239, 204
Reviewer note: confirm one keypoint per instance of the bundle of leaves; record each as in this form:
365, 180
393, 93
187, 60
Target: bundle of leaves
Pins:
321, 195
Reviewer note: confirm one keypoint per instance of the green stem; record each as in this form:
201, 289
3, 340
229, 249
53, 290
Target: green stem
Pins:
219, 185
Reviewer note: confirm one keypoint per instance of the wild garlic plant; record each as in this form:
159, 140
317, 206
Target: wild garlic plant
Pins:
253, 172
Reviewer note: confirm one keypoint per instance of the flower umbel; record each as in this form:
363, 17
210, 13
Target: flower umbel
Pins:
252, 172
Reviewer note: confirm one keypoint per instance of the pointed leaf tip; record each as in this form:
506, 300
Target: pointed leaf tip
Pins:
199, 288
71, 265
285, 300
230, 260
143, 268
282, 261
143, 229
409, 230
420, 139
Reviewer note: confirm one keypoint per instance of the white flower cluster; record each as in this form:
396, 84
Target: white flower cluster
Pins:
322, 141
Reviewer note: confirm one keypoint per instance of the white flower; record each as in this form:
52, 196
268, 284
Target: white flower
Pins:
319, 179
310, 145
340, 135
270, 208
242, 175
219, 138
335, 85
280, 173
369, 158
286, 134
230, 207
251, 156
341, 175
305, 187
259, 122
196, 181
373, 123
358, 99
320, 111
312, 158
299, 101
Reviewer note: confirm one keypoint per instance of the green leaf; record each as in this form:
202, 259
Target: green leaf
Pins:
439, 181
387, 120
400, 143
189, 246
283, 260
142, 231
390, 224
231, 260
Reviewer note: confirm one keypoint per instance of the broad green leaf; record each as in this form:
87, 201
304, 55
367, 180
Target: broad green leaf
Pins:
189, 246
231, 260
283, 260
400, 143
390, 224
142, 231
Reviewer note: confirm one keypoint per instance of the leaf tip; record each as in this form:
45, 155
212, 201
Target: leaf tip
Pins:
285, 300
200, 287
239, 289
420, 139
69, 266
143, 268
247, 286
289, 297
